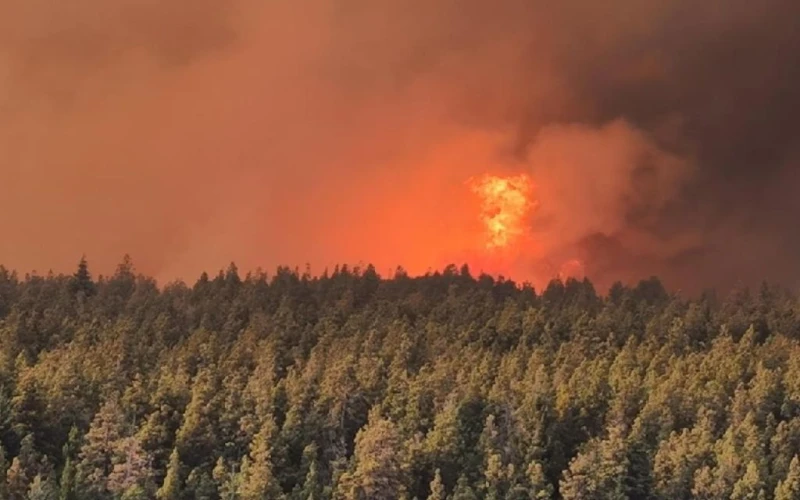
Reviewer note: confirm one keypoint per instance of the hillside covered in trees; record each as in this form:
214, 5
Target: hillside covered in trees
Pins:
352, 386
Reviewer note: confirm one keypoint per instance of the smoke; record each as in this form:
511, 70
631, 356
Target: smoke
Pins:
659, 135
593, 179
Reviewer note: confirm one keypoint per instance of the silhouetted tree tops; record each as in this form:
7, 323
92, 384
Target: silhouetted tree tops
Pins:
350, 386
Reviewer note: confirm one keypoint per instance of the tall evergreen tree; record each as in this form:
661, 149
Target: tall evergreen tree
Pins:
101, 444
378, 472
171, 488
3, 470
258, 479
463, 491
82, 280
599, 471
312, 487
437, 488
789, 487
24, 468
131, 472
43, 488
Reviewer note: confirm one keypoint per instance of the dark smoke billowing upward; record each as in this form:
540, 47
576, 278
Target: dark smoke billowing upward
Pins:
191, 133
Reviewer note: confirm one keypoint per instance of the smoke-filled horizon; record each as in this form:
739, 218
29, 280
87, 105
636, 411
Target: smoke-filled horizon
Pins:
659, 136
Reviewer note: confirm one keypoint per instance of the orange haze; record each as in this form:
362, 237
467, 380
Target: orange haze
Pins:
193, 133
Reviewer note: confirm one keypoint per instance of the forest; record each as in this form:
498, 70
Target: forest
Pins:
354, 386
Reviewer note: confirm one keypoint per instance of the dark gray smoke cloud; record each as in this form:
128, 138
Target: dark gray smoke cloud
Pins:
717, 81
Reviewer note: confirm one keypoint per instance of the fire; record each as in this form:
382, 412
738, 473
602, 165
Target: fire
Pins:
505, 206
510, 248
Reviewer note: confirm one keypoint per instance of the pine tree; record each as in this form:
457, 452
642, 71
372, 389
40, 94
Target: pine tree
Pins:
258, 480
704, 486
131, 470
463, 491
495, 474
679, 456
67, 482
378, 473
538, 486
43, 488
82, 280
171, 488
69, 453
437, 488
599, 471
17, 480
24, 468
312, 485
135, 492
200, 485
495, 478
749, 487
196, 437
227, 480
442, 442
99, 449
3, 470
783, 447
789, 488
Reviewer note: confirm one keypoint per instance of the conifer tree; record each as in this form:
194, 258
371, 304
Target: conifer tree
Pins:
599, 471
378, 473
3, 469
68, 453
495, 478
463, 490
67, 481
312, 486
100, 448
227, 480
131, 471
43, 488
750, 486
135, 492
82, 280
17, 481
538, 486
171, 488
196, 437
789, 487
23, 469
679, 456
436, 487
258, 480
703, 486
200, 485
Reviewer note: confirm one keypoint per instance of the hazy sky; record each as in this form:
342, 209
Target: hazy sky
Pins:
661, 135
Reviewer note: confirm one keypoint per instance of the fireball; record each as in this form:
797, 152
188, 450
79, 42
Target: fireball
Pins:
505, 206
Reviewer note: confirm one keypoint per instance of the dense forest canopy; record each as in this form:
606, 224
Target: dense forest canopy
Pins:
353, 386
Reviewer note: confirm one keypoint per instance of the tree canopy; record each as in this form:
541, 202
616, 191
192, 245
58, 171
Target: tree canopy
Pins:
354, 386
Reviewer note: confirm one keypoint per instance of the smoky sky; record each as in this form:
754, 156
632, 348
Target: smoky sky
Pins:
661, 135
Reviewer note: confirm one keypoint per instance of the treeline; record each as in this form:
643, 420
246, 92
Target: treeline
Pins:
352, 386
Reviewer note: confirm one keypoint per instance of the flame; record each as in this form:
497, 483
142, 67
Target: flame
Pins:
505, 206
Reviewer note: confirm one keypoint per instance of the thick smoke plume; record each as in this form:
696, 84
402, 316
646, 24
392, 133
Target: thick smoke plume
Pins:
660, 135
